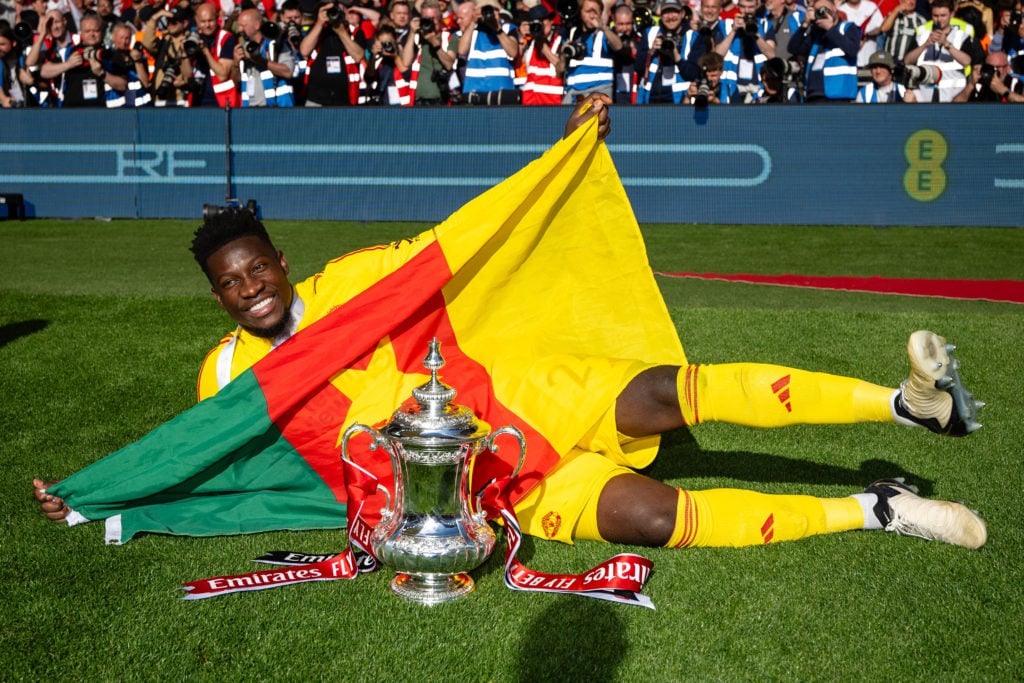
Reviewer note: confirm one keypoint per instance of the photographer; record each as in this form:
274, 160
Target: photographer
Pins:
266, 63
172, 67
487, 48
134, 62
830, 46
214, 65
785, 19
749, 42
707, 89
12, 93
706, 31
883, 89
543, 66
80, 74
629, 63
667, 48
588, 54
426, 53
380, 85
944, 43
993, 82
334, 57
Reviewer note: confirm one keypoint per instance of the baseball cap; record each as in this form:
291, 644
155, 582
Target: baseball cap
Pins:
539, 13
672, 5
882, 58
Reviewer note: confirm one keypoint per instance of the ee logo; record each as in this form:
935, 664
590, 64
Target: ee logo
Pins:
925, 178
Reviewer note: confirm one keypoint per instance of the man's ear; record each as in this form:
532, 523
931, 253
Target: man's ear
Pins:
284, 262
220, 302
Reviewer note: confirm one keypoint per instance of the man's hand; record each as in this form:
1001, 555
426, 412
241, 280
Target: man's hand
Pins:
51, 506
595, 104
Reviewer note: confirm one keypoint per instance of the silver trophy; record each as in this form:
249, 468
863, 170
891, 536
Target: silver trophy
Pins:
433, 532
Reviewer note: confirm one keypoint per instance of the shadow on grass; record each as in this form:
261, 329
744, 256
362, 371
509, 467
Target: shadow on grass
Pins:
13, 331
681, 457
581, 641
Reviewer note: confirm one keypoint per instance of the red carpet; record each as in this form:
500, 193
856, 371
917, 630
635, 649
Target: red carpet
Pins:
1008, 291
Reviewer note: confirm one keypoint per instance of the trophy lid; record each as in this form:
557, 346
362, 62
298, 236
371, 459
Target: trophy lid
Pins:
434, 416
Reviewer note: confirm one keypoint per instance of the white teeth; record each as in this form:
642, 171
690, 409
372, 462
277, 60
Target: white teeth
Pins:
259, 307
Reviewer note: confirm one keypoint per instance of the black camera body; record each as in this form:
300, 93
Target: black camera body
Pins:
821, 13
747, 25
388, 47
988, 72
489, 21
252, 50
574, 50
427, 28
669, 42
193, 46
536, 30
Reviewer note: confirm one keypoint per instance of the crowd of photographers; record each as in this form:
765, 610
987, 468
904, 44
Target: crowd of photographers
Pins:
283, 53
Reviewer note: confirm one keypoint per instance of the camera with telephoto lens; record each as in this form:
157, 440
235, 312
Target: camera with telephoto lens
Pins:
294, 33
24, 32
821, 13
214, 210
700, 101
574, 50
1016, 17
988, 72
387, 47
536, 30
668, 46
643, 18
747, 25
427, 27
252, 50
165, 91
335, 14
914, 76
192, 45
270, 29
488, 20
784, 70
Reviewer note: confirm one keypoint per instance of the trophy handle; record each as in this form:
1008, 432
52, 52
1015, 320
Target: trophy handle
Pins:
378, 440
490, 444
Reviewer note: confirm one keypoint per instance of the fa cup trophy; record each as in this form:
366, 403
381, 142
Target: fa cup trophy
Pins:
433, 532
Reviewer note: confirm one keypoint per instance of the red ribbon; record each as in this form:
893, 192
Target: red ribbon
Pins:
619, 579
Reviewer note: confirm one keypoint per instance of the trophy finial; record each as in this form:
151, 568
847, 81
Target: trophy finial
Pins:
434, 395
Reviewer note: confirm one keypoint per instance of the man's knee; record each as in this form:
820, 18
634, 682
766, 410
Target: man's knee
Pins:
650, 403
637, 510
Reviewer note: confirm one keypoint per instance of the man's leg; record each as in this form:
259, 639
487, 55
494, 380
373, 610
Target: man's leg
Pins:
761, 395
637, 510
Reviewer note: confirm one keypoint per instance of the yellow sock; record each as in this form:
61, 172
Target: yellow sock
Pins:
736, 518
761, 395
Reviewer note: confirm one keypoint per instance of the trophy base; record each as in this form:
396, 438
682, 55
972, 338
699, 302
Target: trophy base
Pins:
431, 589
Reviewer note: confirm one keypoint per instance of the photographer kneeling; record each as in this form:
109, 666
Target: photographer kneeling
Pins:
707, 89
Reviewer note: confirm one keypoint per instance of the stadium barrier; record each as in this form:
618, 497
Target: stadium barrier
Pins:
830, 165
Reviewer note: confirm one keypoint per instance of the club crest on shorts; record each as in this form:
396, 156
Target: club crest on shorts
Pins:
551, 523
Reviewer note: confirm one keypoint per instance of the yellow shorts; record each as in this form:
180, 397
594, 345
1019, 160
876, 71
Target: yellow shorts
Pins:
569, 493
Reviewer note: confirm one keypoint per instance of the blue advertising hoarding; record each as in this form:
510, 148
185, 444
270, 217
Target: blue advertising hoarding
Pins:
833, 165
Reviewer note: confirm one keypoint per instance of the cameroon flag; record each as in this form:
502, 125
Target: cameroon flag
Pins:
540, 293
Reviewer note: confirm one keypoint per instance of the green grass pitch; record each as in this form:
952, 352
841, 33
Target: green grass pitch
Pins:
104, 325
